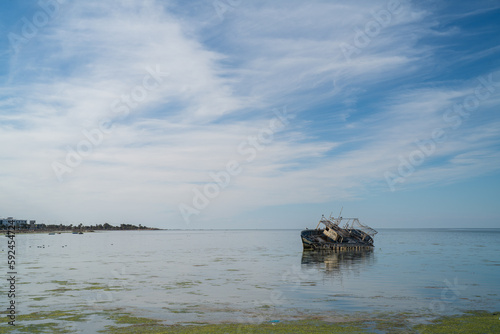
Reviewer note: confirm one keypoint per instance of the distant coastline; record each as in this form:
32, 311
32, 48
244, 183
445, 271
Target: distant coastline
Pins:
61, 228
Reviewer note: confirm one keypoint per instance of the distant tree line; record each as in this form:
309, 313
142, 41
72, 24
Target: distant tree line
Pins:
79, 227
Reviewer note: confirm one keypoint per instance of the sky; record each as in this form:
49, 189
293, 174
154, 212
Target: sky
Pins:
250, 114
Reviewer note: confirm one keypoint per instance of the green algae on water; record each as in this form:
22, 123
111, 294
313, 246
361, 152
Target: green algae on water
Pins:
124, 322
471, 323
298, 327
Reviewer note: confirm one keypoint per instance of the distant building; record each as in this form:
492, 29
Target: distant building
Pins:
17, 222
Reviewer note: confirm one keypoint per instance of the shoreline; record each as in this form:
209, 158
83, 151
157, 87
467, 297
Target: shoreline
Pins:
71, 231
473, 321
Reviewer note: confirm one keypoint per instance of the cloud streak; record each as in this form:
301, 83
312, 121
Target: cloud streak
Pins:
351, 119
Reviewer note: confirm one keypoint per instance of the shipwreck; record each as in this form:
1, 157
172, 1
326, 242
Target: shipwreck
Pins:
332, 236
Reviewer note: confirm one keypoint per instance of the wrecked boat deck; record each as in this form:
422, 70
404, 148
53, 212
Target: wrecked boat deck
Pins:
353, 236
315, 240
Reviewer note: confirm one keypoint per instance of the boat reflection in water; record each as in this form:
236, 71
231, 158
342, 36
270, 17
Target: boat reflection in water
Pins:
337, 263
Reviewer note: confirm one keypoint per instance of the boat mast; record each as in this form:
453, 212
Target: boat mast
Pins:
322, 218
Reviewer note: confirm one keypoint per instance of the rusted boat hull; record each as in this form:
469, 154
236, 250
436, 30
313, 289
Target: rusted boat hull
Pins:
317, 240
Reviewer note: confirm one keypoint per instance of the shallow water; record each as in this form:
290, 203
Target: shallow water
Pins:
253, 275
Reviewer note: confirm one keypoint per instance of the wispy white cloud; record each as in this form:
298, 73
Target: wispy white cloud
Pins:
224, 79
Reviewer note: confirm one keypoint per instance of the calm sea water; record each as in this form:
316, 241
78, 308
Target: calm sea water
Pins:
253, 275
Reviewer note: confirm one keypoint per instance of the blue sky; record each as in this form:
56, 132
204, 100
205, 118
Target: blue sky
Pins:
250, 114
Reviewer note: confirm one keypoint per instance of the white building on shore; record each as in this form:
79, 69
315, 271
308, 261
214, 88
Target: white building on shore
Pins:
17, 222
